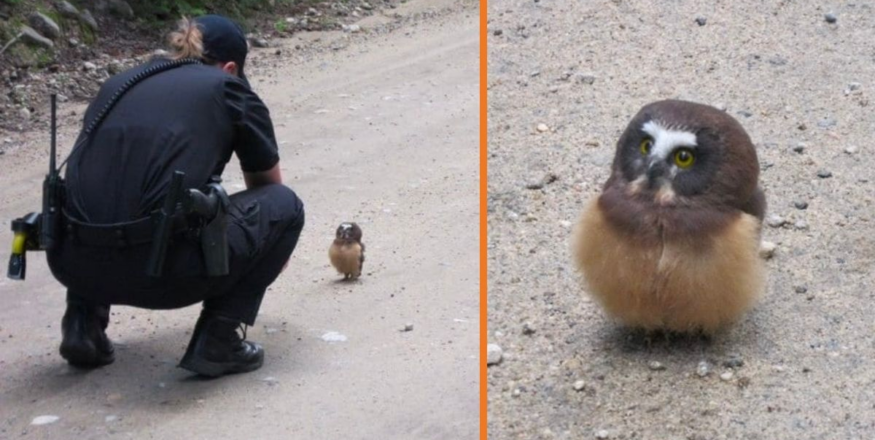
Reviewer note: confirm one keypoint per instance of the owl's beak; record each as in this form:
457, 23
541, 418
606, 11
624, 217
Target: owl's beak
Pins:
655, 171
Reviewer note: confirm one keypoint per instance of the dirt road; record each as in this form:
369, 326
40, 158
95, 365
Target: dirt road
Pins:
800, 365
378, 127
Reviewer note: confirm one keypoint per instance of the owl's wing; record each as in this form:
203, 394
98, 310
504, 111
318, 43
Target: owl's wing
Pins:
756, 206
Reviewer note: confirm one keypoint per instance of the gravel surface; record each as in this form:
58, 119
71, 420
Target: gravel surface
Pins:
800, 364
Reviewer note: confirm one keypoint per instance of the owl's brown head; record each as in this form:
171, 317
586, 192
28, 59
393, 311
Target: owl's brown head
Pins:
683, 167
348, 232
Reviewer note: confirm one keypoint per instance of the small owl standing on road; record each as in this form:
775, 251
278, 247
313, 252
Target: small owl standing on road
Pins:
672, 241
347, 252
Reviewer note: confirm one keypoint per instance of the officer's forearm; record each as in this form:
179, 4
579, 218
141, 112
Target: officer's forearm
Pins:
254, 180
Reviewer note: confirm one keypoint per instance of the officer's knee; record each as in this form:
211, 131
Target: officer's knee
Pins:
288, 208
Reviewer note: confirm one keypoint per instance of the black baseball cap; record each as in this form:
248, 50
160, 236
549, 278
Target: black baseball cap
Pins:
224, 41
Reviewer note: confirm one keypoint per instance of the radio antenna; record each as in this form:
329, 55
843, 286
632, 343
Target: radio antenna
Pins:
54, 99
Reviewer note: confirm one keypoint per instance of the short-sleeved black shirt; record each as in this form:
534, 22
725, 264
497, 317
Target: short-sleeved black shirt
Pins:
190, 119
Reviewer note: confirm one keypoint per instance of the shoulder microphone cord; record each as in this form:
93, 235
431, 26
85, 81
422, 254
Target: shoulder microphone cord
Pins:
132, 81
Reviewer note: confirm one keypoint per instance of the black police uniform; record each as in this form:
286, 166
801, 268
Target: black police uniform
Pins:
190, 119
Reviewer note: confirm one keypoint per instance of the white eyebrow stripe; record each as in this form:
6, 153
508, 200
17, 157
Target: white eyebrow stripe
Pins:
666, 140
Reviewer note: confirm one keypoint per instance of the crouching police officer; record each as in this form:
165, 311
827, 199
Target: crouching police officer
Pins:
189, 118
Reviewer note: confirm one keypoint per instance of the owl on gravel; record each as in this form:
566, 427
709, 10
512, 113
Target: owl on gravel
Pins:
347, 252
671, 243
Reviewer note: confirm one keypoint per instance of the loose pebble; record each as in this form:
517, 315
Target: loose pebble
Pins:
543, 127
602, 434
44, 420
408, 327
800, 147
656, 366
333, 337
800, 289
801, 225
89, 66
824, 174
851, 149
703, 369
516, 392
800, 204
579, 385
493, 354
767, 249
701, 21
585, 78
733, 361
727, 376
528, 329
830, 17
775, 221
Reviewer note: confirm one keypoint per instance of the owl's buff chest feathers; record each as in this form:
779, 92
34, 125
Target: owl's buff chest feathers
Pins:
675, 284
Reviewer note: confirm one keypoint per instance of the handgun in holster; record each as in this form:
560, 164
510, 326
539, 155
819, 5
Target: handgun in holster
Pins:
209, 211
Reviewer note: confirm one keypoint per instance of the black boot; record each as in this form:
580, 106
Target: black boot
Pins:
84, 343
216, 349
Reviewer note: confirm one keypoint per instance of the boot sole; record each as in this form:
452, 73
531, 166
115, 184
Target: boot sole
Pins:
85, 358
216, 369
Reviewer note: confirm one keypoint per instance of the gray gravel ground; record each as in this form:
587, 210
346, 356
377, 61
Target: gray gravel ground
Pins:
801, 364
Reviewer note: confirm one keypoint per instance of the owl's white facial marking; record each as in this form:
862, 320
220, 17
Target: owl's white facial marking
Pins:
667, 138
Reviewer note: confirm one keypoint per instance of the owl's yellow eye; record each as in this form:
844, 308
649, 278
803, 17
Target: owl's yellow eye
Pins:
684, 158
645, 146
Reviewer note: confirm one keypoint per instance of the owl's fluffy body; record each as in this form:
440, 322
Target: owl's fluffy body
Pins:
677, 285
347, 252
346, 257
671, 244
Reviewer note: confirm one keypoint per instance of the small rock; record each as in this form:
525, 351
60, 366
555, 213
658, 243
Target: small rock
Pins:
800, 289
602, 434
33, 38
260, 42
270, 380
585, 78
701, 21
824, 174
593, 143
656, 366
767, 250
528, 329
516, 392
830, 17
73, 42
703, 369
408, 327
775, 221
88, 66
353, 28
721, 106
542, 127
497, 32
733, 361
334, 337
115, 67
854, 86
24, 113
565, 224
579, 385
44, 420
88, 19
852, 149
800, 204
727, 376
827, 123
44, 25
801, 225
800, 147
493, 354
66, 9
121, 8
